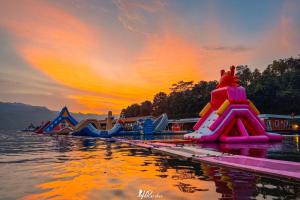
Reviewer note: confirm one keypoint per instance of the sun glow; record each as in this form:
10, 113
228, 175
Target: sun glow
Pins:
105, 60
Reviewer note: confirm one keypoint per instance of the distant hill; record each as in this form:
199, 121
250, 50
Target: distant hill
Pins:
16, 116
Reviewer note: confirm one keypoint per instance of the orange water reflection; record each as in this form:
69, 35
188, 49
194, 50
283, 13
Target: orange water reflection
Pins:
111, 171
93, 169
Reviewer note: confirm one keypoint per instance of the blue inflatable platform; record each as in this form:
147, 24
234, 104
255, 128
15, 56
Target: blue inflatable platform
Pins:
91, 131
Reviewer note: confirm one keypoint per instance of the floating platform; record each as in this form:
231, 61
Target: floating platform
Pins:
284, 169
275, 168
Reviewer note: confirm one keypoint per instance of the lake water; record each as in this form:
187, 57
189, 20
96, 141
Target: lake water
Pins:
43, 167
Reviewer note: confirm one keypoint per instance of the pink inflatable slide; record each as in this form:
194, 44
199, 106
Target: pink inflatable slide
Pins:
230, 117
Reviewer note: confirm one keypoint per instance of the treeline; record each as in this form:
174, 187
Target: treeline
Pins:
274, 90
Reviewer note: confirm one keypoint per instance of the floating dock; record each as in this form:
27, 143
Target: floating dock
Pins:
274, 168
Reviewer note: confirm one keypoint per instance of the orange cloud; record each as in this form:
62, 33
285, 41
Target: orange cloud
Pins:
64, 48
132, 13
166, 59
100, 104
68, 51
74, 52
56, 43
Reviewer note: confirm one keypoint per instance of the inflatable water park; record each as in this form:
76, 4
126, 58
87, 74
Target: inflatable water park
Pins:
145, 126
229, 118
65, 124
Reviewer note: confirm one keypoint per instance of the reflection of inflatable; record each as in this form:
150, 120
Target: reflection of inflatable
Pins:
63, 131
230, 116
231, 184
254, 150
91, 131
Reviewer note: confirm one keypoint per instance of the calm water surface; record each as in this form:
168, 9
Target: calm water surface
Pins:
42, 167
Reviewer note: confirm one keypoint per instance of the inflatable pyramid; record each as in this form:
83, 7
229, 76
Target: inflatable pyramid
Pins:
63, 120
230, 116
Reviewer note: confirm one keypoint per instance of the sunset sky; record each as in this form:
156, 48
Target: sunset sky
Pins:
100, 55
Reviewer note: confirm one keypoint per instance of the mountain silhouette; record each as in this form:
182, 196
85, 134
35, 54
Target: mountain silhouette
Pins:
16, 116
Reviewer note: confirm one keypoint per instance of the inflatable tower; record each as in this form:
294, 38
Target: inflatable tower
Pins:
230, 117
109, 120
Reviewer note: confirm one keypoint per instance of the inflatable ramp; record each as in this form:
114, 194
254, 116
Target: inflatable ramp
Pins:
91, 131
83, 123
160, 123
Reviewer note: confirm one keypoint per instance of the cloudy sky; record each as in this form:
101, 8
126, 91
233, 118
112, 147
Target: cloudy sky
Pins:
95, 56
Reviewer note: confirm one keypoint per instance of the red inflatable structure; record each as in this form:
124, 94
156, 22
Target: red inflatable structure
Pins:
230, 116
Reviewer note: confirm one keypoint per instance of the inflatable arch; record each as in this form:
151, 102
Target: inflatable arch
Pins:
82, 124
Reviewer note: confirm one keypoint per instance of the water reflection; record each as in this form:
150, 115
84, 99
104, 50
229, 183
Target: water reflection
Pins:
232, 184
255, 150
63, 143
41, 167
277, 189
235, 184
151, 137
88, 144
288, 150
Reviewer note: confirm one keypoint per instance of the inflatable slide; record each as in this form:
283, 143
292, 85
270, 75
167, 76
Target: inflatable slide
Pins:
230, 117
145, 126
83, 123
91, 131
160, 123
42, 127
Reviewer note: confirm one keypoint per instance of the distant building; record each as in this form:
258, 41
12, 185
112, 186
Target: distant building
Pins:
274, 123
186, 124
280, 123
